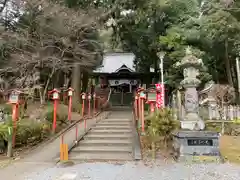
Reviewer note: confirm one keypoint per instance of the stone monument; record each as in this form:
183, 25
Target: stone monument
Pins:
192, 142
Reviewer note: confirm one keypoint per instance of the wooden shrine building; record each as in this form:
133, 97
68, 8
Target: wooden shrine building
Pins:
120, 73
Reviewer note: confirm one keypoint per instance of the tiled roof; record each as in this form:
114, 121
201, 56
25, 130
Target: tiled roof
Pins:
113, 61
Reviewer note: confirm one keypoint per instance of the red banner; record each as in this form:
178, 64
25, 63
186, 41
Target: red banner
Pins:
160, 95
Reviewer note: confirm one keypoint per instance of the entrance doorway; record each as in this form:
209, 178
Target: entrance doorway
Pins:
122, 93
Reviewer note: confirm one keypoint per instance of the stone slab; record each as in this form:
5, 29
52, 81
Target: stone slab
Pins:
137, 146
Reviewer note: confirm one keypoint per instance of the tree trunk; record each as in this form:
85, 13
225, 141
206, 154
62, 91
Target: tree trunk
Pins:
227, 63
46, 86
85, 81
76, 85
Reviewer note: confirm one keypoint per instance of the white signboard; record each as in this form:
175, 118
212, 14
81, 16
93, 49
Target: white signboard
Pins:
55, 95
13, 98
70, 93
122, 81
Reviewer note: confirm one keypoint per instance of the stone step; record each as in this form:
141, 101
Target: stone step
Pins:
100, 157
112, 127
113, 124
110, 131
116, 120
103, 149
108, 136
105, 142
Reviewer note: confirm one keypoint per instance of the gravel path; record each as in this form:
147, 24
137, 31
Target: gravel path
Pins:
139, 171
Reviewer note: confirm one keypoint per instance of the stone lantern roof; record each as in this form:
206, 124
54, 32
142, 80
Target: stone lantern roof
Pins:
190, 60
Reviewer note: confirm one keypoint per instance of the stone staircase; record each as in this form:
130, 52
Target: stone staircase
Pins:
110, 140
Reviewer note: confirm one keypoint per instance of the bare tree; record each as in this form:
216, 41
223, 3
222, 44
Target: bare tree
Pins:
223, 95
54, 37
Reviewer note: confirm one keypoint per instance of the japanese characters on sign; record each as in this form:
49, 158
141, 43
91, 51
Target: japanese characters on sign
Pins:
55, 95
160, 95
13, 98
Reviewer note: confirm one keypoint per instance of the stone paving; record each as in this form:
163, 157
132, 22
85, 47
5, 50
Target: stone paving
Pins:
139, 171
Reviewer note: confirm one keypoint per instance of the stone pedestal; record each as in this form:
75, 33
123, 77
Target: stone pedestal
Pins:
196, 146
188, 125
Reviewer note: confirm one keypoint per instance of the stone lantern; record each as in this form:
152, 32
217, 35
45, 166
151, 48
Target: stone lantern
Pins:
192, 142
191, 65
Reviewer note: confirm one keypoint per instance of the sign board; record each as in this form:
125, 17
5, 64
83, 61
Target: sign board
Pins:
83, 96
142, 95
13, 98
151, 96
89, 97
55, 95
70, 93
200, 142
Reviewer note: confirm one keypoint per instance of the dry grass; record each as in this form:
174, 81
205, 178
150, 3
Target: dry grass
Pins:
163, 153
230, 148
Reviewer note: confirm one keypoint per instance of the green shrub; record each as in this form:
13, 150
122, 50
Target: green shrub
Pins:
159, 126
163, 122
3, 132
27, 132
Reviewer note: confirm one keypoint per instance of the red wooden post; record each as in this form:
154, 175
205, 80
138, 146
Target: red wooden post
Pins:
152, 108
54, 115
143, 125
14, 100
83, 109
55, 97
142, 97
14, 119
94, 103
83, 103
89, 104
70, 94
76, 141
136, 106
139, 109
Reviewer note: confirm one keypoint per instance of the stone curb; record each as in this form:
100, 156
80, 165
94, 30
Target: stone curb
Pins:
137, 153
